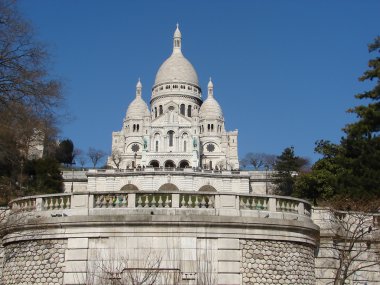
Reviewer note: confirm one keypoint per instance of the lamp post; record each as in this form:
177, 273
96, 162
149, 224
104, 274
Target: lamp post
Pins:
266, 179
72, 175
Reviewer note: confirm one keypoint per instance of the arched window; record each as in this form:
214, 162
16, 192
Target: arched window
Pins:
184, 146
170, 133
212, 127
134, 127
161, 110
137, 128
182, 109
189, 111
208, 127
156, 146
155, 112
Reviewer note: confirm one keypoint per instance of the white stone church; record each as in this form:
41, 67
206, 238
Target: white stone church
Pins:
172, 209
180, 129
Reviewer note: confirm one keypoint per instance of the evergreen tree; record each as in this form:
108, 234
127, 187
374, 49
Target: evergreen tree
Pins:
287, 167
351, 169
65, 152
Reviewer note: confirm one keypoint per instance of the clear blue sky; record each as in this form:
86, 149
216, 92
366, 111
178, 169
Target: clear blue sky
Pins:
284, 72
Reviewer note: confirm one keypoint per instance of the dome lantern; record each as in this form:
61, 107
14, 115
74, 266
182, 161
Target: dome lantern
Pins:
210, 87
177, 38
138, 88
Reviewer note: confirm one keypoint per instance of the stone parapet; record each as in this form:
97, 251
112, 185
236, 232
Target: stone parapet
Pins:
195, 236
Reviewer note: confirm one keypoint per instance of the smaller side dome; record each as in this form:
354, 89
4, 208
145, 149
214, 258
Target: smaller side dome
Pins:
210, 108
138, 108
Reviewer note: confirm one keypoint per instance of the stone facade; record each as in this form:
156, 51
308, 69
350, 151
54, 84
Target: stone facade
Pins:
34, 262
276, 262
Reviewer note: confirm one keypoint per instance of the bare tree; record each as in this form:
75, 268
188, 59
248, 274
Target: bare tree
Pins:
120, 270
258, 161
353, 235
95, 155
116, 158
206, 271
28, 96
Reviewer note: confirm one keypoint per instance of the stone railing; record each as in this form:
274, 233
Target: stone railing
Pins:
153, 200
42, 203
80, 174
197, 201
220, 203
110, 200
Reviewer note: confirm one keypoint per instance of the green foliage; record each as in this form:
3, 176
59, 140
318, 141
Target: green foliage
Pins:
43, 176
65, 152
351, 169
287, 167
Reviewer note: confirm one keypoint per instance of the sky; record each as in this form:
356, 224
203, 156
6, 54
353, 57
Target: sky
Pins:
284, 72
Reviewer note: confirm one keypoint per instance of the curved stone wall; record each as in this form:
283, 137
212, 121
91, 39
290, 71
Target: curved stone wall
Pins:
276, 262
34, 262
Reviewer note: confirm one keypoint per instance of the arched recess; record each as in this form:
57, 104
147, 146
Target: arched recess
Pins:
129, 187
169, 163
168, 187
154, 163
207, 188
184, 164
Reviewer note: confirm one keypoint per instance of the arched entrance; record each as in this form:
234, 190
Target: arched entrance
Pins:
168, 187
154, 163
169, 163
207, 188
129, 187
183, 164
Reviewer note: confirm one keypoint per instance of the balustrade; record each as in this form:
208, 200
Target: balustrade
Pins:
28, 204
154, 200
56, 202
287, 205
197, 201
111, 200
254, 203
162, 199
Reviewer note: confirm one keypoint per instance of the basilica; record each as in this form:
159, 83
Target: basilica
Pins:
173, 208
180, 129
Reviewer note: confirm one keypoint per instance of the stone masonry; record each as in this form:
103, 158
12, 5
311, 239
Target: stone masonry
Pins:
276, 262
35, 262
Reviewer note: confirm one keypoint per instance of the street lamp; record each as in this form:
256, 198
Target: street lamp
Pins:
72, 175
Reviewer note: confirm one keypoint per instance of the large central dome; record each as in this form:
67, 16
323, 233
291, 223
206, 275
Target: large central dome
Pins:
176, 68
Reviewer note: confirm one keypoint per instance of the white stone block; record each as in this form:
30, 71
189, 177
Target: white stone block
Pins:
74, 243
79, 201
229, 255
76, 266
228, 243
227, 201
229, 279
188, 242
76, 254
74, 278
229, 266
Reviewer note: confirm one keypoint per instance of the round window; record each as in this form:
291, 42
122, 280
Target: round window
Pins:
210, 147
135, 148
